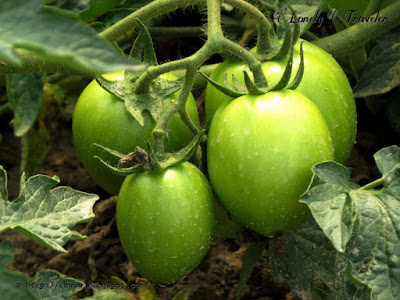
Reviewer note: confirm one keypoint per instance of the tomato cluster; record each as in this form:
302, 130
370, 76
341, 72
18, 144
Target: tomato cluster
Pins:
101, 118
260, 151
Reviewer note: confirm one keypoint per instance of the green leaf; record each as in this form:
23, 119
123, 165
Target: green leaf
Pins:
25, 94
380, 74
329, 202
44, 214
302, 256
388, 161
46, 284
308, 262
56, 35
12, 284
249, 259
370, 217
52, 285
97, 8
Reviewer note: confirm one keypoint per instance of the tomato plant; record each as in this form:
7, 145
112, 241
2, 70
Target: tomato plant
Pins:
273, 150
165, 221
260, 157
323, 82
101, 118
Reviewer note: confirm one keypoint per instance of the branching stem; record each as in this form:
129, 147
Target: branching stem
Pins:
216, 43
263, 24
373, 184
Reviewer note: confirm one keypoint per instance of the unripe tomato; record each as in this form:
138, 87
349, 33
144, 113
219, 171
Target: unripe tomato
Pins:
260, 153
165, 221
323, 82
101, 118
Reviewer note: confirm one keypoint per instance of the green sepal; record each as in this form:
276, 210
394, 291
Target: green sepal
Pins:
116, 87
251, 86
236, 84
296, 32
142, 48
283, 82
224, 88
299, 75
171, 159
109, 151
117, 169
136, 104
121, 171
287, 42
296, 29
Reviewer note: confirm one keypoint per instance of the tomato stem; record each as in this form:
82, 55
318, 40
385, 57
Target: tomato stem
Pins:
176, 32
348, 40
216, 43
373, 7
153, 9
373, 184
263, 24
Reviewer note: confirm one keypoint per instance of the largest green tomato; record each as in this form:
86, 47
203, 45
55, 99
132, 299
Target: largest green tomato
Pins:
324, 83
101, 118
260, 152
165, 221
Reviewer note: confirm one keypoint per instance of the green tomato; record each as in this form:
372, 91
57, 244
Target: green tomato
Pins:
165, 221
260, 153
101, 118
324, 83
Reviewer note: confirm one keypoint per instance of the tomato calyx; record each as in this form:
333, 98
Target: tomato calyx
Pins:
290, 39
138, 156
137, 103
237, 90
141, 160
157, 164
